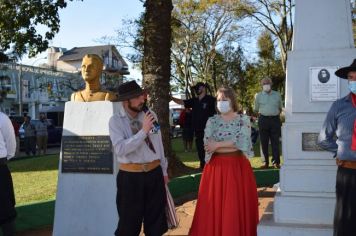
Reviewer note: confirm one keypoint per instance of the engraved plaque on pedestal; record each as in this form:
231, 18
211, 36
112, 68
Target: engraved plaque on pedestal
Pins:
310, 142
87, 154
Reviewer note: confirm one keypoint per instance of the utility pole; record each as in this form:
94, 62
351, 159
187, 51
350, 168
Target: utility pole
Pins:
20, 89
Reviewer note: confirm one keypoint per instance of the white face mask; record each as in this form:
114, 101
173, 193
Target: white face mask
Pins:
223, 106
266, 87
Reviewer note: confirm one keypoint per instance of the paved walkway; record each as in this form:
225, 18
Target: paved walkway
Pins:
185, 211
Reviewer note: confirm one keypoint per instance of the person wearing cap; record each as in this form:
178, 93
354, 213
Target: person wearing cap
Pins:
142, 175
268, 104
202, 107
7, 196
338, 135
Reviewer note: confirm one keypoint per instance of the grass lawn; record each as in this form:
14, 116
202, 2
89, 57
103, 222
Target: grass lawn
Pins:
35, 179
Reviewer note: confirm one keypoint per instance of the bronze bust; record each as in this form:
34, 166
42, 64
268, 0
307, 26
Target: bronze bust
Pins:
91, 69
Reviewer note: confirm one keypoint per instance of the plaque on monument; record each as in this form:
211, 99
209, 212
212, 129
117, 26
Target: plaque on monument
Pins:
324, 84
310, 142
87, 154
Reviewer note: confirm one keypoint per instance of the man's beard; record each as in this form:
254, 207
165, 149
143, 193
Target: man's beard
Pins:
135, 109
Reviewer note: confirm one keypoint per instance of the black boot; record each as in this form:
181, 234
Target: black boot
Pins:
8, 229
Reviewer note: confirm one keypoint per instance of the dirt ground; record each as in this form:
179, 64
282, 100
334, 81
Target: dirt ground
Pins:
185, 210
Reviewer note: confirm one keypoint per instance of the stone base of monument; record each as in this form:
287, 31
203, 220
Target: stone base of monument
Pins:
268, 227
86, 192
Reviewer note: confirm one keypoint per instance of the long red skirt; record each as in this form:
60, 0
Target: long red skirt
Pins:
227, 201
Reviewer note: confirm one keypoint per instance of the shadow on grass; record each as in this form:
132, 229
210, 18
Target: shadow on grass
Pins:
36, 163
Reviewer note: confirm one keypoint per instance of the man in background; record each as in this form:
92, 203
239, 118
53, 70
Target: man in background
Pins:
30, 136
268, 104
7, 196
42, 134
202, 107
17, 135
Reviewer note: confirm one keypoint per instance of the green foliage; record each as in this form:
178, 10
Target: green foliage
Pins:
275, 16
201, 29
3, 57
269, 64
18, 22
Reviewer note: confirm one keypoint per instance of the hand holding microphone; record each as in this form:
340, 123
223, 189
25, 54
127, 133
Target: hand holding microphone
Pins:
154, 123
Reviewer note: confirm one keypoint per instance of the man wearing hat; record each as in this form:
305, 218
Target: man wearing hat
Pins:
142, 176
338, 135
203, 107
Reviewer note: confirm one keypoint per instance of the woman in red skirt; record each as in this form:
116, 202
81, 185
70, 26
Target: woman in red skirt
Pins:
227, 201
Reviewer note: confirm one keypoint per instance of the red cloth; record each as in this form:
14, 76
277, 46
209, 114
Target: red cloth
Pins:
353, 141
227, 202
182, 118
16, 128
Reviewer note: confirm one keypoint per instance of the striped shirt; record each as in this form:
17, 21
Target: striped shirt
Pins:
336, 133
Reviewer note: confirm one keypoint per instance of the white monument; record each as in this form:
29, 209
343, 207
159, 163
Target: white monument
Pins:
86, 192
323, 39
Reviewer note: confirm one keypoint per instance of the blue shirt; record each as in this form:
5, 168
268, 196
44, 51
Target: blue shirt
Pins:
336, 133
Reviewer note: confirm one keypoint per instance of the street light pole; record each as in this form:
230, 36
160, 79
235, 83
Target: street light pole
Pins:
20, 90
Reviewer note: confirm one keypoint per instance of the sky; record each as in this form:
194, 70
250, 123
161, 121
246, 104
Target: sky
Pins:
83, 22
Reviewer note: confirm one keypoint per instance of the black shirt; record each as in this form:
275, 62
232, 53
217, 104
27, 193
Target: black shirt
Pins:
201, 110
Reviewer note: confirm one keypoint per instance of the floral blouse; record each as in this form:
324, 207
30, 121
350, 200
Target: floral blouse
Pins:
237, 130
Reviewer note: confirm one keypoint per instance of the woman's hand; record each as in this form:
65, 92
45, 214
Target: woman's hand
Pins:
211, 146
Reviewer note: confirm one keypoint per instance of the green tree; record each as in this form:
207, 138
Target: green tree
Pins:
200, 30
275, 16
156, 67
269, 62
18, 22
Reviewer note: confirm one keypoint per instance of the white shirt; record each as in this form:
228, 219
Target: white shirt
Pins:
131, 148
7, 137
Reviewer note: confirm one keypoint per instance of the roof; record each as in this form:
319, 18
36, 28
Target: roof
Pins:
77, 53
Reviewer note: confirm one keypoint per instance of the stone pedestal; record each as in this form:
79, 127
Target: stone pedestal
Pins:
86, 201
304, 204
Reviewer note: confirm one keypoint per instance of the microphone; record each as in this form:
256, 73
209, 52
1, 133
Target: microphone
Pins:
156, 126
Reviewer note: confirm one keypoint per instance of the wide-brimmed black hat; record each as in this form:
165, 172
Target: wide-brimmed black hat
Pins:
342, 72
129, 90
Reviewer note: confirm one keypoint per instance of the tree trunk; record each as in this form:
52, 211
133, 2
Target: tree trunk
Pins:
156, 67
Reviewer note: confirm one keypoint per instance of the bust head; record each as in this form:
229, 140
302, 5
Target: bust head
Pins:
92, 66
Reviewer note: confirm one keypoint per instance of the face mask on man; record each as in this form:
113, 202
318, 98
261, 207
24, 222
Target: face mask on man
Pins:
266, 87
223, 106
352, 87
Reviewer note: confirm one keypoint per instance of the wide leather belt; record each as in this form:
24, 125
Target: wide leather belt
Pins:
3, 161
231, 154
139, 167
346, 164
